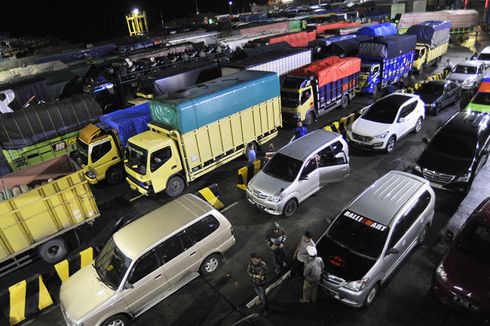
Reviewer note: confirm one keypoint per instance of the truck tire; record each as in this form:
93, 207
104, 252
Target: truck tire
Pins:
344, 102
114, 175
310, 118
53, 250
175, 186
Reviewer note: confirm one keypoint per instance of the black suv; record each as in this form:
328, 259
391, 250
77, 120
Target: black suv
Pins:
456, 152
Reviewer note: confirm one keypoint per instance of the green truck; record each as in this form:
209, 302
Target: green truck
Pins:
35, 134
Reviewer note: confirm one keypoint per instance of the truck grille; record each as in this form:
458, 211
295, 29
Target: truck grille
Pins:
437, 177
259, 194
361, 138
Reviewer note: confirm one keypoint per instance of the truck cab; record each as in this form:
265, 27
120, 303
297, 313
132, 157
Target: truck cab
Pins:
369, 77
153, 164
98, 151
420, 56
298, 102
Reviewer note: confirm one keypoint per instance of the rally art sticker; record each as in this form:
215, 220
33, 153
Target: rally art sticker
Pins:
365, 221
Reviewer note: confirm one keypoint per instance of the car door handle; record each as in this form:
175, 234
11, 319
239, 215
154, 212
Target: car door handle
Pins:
158, 276
173, 167
192, 254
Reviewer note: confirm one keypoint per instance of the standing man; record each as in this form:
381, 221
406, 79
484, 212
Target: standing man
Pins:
257, 270
252, 155
275, 239
448, 68
312, 274
301, 255
300, 130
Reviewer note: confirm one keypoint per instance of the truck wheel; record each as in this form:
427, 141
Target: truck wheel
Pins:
53, 250
344, 102
310, 117
290, 207
114, 175
175, 186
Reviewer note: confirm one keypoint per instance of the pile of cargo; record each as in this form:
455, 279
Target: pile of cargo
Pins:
330, 69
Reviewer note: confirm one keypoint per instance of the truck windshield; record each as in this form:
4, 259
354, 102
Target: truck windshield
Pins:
111, 265
365, 69
82, 150
283, 167
359, 234
137, 158
382, 111
290, 99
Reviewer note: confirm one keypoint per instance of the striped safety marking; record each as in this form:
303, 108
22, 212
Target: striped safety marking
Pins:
246, 173
211, 197
23, 300
69, 266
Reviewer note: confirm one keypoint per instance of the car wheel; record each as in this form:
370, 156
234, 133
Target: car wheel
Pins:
210, 264
117, 320
344, 102
53, 250
290, 208
423, 235
175, 186
114, 175
418, 126
373, 293
390, 145
309, 118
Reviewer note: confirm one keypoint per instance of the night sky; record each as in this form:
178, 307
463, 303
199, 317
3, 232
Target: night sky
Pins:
92, 21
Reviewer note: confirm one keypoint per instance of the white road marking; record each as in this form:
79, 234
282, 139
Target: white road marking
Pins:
229, 206
256, 300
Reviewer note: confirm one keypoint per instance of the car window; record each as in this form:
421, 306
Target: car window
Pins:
474, 241
158, 158
174, 246
310, 166
203, 228
144, 266
460, 69
397, 234
407, 109
100, 150
416, 209
329, 157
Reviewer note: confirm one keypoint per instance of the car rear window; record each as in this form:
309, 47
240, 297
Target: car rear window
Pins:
359, 233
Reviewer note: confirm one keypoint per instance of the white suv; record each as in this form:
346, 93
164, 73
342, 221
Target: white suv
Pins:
387, 120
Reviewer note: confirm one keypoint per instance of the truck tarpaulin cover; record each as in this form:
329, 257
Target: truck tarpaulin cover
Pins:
434, 33
41, 122
208, 102
458, 18
328, 27
384, 29
300, 39
387, 47
129, 122
346, 48
331, 69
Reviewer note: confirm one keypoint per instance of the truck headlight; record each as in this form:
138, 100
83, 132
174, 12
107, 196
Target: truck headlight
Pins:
276, 198
464, 178
90, 174
441, 273
382, 135
357, 286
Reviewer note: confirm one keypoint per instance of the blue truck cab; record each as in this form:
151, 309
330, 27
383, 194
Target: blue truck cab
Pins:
385, 61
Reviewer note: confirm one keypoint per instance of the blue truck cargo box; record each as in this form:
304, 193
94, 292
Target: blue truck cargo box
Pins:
387, 47
383, 29
216, 99
128, 122
433, 32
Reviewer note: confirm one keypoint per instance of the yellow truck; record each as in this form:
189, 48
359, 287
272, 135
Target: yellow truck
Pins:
100, 146
39, 207
211, 124
432, 43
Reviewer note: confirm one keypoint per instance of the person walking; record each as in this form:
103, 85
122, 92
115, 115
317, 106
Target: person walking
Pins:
312, 275
300, 130
257, 270
251, 154
301, 256
448, 68
275, 239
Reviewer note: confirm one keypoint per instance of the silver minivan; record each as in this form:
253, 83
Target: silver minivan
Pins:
373, 235
298, 170
145, 262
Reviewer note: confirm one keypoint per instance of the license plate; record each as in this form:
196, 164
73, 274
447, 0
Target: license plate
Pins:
59, 146
465, 303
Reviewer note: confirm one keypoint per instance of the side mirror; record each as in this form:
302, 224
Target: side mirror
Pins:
393, 251
425, 140
128, 286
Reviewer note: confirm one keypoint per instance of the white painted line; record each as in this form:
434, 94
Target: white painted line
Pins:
255, 301
229, 206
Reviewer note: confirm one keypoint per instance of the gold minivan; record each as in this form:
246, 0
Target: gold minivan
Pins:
146, 261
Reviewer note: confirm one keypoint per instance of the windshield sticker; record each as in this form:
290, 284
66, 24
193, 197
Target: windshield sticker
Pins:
365, 221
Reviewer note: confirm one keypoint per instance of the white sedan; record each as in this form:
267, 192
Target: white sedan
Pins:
383, 123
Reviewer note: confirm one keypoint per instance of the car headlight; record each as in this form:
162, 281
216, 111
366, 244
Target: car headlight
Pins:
417, 168
357, 285
441, 273
464, 178
276, 198
382, 135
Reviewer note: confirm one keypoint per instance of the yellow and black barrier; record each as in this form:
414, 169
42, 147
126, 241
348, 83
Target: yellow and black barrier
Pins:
65, 268
211, 194
246, 173
23, 300
340, 126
